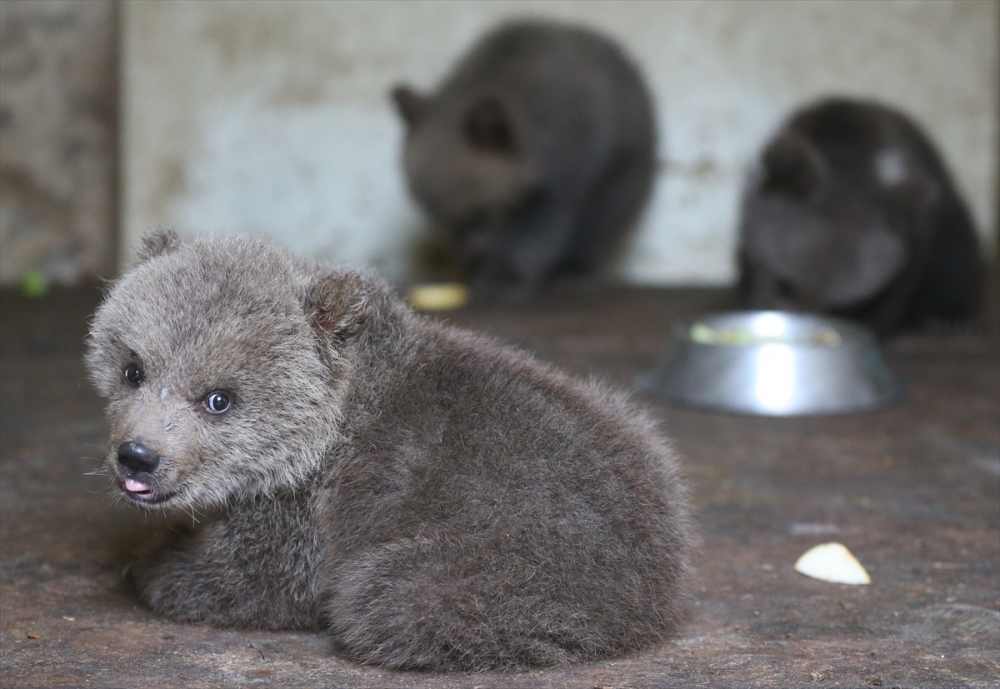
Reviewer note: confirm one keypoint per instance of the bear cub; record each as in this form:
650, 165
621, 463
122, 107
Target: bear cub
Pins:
434, 499
535, 155
852, 212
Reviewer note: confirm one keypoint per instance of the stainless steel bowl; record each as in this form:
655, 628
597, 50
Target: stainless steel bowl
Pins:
772, 363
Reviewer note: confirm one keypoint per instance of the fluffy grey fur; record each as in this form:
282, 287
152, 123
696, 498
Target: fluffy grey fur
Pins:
536, 154
435, 499
853, 212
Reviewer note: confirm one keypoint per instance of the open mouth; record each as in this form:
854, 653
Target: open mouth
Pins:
141, 492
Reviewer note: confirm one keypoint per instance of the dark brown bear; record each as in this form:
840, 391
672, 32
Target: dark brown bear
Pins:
536, 155
853, 213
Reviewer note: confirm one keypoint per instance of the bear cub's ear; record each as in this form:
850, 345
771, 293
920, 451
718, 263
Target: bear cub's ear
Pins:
793, 166
410, 105
337, 303
157, 243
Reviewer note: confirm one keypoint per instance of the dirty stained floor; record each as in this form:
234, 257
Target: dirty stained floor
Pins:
913, 491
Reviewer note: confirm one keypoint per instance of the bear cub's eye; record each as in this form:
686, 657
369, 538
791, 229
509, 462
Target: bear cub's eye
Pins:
133, 374
216, 402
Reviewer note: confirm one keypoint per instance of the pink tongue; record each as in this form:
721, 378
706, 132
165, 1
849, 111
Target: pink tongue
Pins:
136, 487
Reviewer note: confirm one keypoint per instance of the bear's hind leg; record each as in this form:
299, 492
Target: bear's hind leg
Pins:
426, 604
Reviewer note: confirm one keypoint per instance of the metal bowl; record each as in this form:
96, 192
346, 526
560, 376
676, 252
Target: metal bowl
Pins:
772, 363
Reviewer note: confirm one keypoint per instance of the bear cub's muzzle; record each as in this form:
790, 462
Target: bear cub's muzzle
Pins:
136, 464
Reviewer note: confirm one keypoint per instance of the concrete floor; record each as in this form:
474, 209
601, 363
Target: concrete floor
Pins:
913, 491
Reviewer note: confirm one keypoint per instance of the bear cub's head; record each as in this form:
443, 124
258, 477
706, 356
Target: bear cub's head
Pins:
220, 363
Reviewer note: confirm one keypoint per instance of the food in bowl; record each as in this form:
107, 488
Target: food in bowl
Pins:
735, 336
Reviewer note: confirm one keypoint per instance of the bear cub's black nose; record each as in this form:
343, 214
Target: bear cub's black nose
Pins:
133, 455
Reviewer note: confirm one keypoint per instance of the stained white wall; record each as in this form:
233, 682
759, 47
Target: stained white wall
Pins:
273, 117
58, 118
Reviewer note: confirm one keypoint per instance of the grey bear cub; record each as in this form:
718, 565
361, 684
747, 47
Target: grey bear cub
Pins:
436, 500
536, 154
854, 213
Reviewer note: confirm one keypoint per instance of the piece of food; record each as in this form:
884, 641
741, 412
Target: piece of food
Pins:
702, 333
832, 562
34, 284
443, 297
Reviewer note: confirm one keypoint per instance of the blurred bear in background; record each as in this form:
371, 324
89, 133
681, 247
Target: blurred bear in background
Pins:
535, 155
852, 212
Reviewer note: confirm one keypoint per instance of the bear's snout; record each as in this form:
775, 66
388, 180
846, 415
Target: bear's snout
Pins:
134, 455
136, 464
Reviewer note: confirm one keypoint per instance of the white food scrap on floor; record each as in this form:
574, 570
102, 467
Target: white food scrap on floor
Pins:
832, 562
